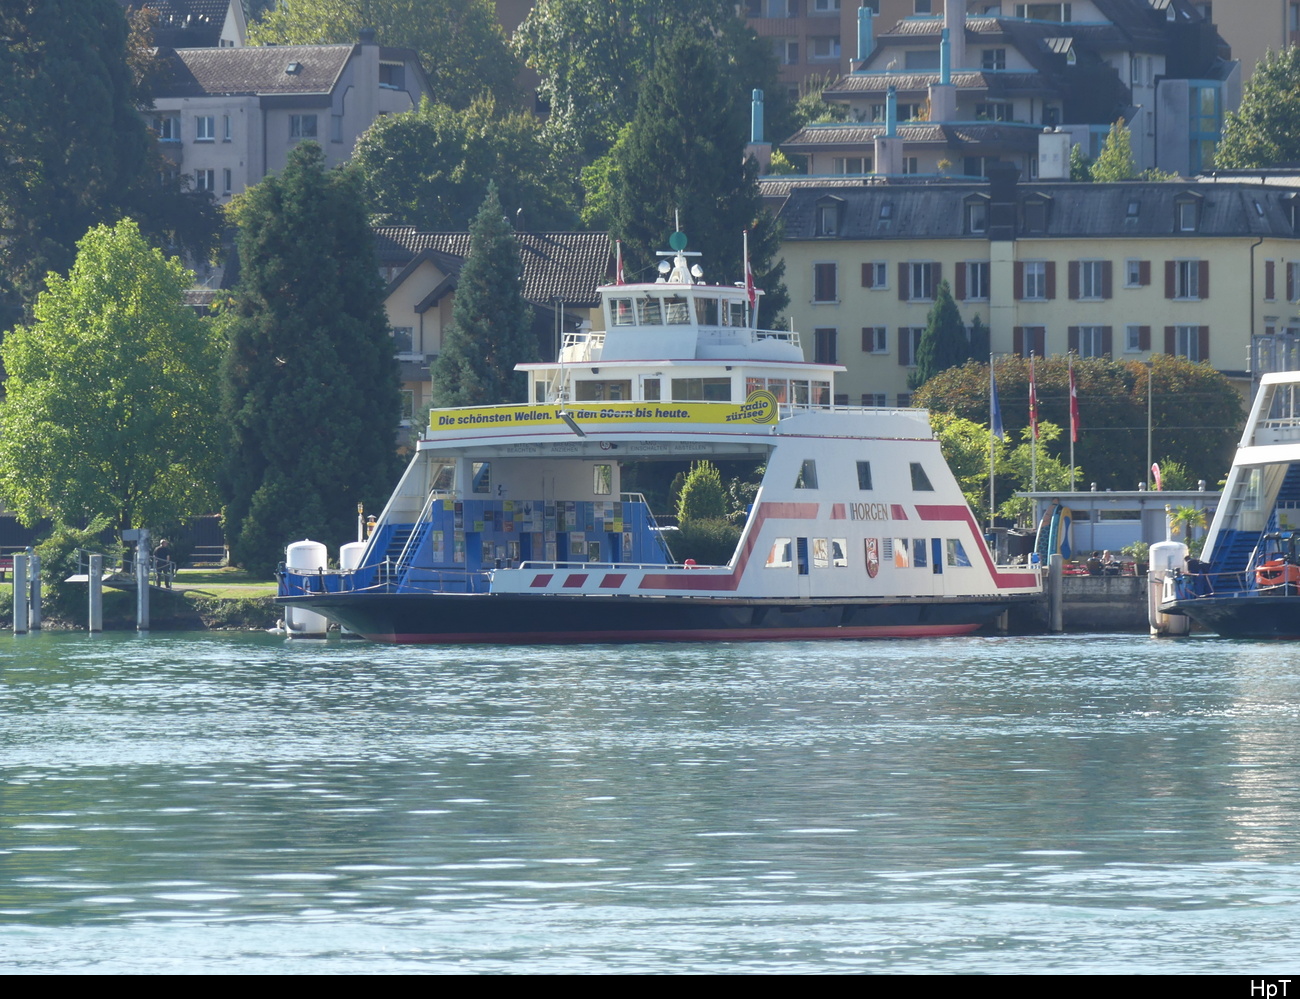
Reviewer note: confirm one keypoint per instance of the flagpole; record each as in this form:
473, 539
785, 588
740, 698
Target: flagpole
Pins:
749, 287
1074, 420
1033, 427
995, 422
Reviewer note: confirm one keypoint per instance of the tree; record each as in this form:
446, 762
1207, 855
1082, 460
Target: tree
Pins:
1080, 164
1115, 161
461, 44
1196, 413
943, 343
491, 324
682, 157
593, 57
1265, 130
431, 166
76, 150
310, 383
109, 408
703, 496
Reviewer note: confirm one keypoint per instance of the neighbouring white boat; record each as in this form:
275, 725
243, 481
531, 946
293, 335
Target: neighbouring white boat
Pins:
1247, 583
511, 524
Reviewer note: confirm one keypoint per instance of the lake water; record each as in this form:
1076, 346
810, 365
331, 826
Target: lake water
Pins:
236, 803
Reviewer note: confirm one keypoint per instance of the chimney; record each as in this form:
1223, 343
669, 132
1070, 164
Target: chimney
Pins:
866, 34
758, 149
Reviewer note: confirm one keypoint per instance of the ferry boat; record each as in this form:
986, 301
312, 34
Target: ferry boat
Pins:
1247, 582
511, 524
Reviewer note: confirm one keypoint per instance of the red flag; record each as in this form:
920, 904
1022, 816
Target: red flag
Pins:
618, 262
1074, 407
1033, 400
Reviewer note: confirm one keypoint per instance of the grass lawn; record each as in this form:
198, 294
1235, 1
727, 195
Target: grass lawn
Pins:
225, 582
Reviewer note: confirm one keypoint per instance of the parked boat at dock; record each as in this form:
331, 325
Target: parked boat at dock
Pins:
511, 523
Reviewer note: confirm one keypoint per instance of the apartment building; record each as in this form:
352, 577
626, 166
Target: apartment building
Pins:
1208, 271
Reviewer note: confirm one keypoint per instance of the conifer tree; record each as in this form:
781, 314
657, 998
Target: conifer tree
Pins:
310, 381
943, 344
491, 324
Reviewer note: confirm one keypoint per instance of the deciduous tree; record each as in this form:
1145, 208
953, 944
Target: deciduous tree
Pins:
310, 382
430, 167
1265, 130
110, 406
461, 44
491, 324
1115, 161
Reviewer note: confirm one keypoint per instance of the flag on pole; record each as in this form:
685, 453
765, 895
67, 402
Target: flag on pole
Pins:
1159, 480
995, 410
1033, 400
618, 262
1074, 407
750, 290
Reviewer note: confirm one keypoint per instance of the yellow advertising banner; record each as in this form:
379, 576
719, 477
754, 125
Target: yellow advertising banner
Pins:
760, 407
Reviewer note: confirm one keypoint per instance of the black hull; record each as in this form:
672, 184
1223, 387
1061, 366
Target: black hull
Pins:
530, 619
1271, 616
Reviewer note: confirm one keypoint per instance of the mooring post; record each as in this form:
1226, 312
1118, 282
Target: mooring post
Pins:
34, 581
1056, 595
21, 593
142, 580
95, 584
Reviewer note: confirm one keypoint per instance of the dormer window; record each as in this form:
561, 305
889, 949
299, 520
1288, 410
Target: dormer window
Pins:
1133, 210
1187, 212
827, 215
1036, 215
977, 217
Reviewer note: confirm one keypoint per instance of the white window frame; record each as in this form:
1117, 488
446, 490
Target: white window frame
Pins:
1035, 277
1133, 338
227, 180
1091, 341
1091, 280
205, 180
225, 128
1187, 280
823, 48
920, 273
167, 127
205, 128
879, 275
1187, 342
914, 334
1133, 273
879, 339
298, 129
977, 280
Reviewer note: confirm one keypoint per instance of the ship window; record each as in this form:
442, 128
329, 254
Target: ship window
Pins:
799, 393
820, 553
603, 480
737, 310
779, 387
956, 553
864, 475
753, 385
442, 476
807, 475
920, 481
677, 311
801, 550
482, 478
651, 389
839, 553
706, 311
821, 393
649, 312
918, 552
701, 389
901, 553
621, 308
779, 556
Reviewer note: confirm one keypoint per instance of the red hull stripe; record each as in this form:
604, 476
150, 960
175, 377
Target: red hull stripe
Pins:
963, 515
700, 635
612, 580
687, 581
543, 580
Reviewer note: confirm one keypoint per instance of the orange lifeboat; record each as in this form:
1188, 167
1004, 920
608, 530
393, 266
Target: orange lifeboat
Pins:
1277, 572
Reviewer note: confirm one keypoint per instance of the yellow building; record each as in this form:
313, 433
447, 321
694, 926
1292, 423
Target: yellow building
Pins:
1209, 271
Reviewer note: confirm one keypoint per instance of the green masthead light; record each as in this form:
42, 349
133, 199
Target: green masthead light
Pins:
677, 241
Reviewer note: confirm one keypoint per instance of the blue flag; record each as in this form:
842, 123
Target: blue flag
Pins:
995, 411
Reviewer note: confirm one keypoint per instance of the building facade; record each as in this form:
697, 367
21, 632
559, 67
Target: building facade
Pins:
226, 117
973, 83
1207, 271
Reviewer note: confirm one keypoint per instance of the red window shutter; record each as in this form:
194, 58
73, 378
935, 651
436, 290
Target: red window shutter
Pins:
868, 276
868, 339
1144, 272
1203, 278
1050, 267
960, 277
1270, 280
902, 283
1169, 278
1074, 280
1144, 338
1018, 341
1072, 338
1106, 279
1169, 339
1203, 343
1019, 270
1107, 340
1040, 341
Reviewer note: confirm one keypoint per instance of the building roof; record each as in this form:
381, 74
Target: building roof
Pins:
1145, 209
253, 70
185, 23
564, 265
847, 135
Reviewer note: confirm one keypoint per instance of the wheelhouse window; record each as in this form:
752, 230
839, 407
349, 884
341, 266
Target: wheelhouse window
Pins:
807, 478
920, 481
864, 475
649, 312
677, 311
621, 313
701, 389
